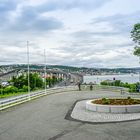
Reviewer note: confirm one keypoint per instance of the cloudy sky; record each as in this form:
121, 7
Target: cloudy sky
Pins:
90, 33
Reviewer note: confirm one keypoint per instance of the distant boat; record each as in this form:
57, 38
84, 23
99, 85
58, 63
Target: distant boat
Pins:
132, 74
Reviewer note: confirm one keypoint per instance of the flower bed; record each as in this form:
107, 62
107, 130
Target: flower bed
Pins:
128, 101
114, 105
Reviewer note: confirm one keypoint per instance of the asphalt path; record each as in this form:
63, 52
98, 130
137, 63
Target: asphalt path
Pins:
44, 119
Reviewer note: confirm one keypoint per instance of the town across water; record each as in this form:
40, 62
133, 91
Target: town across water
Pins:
130, 78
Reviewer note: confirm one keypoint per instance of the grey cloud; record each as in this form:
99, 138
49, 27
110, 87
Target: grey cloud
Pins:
71, 4
85, 54
9, 54
85, 40
123, 23
82, 47
36, 25
29, 20
7, 5
90, 34
92, 62
7, 43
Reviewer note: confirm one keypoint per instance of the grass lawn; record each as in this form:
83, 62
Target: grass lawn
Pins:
11, 94
6, 95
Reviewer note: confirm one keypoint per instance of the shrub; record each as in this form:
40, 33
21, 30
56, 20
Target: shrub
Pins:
10, 89
25, 88
132, 87
20, 90
105, 101
1, 91
117, 82
104, 83
128, 97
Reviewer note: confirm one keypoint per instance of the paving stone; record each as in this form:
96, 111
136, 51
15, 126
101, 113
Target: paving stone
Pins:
81, 113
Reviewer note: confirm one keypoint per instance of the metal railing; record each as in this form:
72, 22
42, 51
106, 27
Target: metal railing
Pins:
104, 87
12, 101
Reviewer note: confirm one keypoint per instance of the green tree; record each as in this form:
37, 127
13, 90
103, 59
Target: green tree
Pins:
35, 81
22, 81
18, 81
135, 35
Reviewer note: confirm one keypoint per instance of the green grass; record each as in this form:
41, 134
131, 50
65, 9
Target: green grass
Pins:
11, 94
6, 95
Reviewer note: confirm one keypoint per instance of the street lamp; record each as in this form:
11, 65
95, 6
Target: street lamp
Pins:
45, 70
28, 70
1, 88
139, 70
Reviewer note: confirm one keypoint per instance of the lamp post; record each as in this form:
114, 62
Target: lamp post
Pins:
28, 70
1, 88
139, 70
45, 70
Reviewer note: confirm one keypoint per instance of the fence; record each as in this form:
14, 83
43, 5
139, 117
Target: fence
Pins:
104, 87
6, 103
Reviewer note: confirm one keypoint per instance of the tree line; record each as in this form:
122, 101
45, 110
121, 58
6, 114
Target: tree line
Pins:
132, 87
20, 83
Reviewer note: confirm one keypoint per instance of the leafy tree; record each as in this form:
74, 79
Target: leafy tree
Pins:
35, 81
48, 80
22, 81
135, 35
18, 81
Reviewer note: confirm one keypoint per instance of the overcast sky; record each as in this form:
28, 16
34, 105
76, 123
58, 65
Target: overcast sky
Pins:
90, 33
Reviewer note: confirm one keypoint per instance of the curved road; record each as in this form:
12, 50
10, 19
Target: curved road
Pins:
43, 119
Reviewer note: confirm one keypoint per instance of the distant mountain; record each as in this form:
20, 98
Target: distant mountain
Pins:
63, 67
75, 69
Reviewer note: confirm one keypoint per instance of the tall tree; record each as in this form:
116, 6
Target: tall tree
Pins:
35, 81
135, 34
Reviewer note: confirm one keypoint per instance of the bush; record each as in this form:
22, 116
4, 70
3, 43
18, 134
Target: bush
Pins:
10, 89
20, 90
126, 85
105, 101
1, 91
132, 87
36, 88
25, 88
104, 83
117, 82
128, 97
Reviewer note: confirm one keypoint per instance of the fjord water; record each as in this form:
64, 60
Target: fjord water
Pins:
130, 78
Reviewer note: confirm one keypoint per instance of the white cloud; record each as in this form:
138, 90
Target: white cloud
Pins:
72, 32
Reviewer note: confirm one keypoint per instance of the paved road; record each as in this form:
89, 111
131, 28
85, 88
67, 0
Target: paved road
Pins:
43, 119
